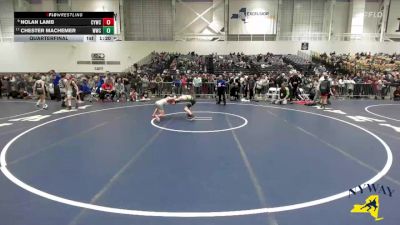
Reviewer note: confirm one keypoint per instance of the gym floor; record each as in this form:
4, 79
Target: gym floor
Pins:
243, 163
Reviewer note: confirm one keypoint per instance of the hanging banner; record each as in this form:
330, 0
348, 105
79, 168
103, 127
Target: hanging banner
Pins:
253, 16
393, 26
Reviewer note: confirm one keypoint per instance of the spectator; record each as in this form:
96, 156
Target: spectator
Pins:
314, 90
350, 86
120, 89
342, 86
145, 83
107, 89
158, 81
284, 94
167, 79
22, 88
324, 88
280, 79
127, 85
92, 82
373, 74
234, 91
137, 84
177, 86
84, 89
378, 85
396, 94
56, 81
244, 85
189, 83
8, 86
183, 84
294, 83
221, 85
251, 85
259, 85
197, 83
99, 84
133, 95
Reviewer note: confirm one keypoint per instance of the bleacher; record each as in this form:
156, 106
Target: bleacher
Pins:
254, 64
299, 63
217, 64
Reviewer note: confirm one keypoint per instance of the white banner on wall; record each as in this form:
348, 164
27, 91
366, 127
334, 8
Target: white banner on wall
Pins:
253, 16
372, 16
393, 26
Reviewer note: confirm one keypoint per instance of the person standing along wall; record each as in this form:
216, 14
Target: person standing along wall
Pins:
324, 88
251, 87
145, 84
84, 89
127, 85
8, 86
56, 80
197, 82
294, 82
138, 84
158, 81
221, 85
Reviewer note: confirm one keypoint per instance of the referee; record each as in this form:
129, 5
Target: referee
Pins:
221, 86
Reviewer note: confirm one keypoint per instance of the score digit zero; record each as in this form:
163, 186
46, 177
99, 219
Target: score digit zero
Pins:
108, 21
108, 30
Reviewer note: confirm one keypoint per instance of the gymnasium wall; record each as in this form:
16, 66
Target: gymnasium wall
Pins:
63, 57
393, 26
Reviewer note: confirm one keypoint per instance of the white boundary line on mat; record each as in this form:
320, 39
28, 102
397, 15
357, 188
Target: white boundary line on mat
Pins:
315, 202
9, 117
202, 118
376, 114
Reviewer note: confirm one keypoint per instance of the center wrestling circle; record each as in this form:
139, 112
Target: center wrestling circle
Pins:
202, 131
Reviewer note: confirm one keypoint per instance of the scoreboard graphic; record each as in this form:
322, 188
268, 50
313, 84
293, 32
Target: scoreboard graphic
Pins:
63, 26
